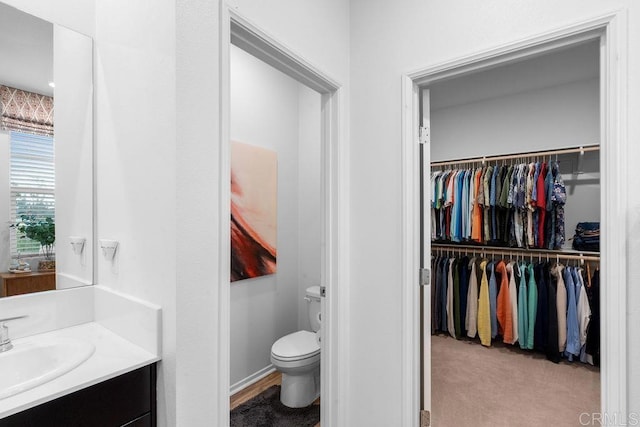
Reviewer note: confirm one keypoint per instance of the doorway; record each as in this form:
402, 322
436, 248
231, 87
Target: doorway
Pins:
332, 215
417, 127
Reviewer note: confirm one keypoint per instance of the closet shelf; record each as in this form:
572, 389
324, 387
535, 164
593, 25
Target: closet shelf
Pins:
522, 155
568, 254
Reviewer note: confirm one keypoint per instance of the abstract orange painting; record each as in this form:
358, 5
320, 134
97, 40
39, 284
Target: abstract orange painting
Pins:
254, 215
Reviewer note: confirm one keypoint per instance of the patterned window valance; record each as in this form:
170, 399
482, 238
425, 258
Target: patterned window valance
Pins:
26, 111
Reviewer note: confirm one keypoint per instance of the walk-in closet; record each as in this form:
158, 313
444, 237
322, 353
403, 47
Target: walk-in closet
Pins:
514, 227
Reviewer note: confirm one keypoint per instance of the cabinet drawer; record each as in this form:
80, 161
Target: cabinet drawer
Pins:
124, 400
26, 283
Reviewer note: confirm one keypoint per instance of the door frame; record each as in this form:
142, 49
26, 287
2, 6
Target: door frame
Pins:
236, 29
611, 29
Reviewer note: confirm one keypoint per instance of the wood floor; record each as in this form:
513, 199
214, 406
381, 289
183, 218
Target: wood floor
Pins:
258, 387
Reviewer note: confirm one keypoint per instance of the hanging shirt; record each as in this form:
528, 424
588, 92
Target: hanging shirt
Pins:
476, 229
519, 206
506, 185
450, 195
513, 298
456, 298
498, 184
434, 293
454, 207
500, 210
465, 206
573, 332
487, 202
559, 200
593, 334
464, 288
493, 298
550, 235
484, 311
542, 318
584, 313
472, 202
534, 205
434, 195
493, 190
443, 294
449, 191
441, 202
503, 310
534, 189
522, 187
541, 204
512, 185
561, 303
459, 206
471, 319
552, 350
523, 324
529, 206
532, 307
451, 325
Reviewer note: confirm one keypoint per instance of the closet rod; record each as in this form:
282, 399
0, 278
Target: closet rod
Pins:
583, 149
518, 251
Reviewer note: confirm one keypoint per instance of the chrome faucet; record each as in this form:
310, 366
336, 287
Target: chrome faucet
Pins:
5, 341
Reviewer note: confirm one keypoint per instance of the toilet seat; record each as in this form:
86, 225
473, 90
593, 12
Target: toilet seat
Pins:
297, 346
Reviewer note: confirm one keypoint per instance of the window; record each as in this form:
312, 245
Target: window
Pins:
32, 186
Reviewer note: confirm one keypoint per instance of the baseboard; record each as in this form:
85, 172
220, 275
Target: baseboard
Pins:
251, 379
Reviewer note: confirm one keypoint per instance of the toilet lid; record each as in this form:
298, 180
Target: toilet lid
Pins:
297, 345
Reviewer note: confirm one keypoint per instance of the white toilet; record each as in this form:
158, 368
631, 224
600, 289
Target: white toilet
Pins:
297, 356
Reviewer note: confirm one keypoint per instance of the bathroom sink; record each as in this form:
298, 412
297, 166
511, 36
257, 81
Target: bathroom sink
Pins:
34, 361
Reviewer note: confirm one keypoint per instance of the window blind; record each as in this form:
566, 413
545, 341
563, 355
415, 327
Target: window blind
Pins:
32, 185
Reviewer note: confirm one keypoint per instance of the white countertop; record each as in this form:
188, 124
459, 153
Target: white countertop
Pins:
113, 356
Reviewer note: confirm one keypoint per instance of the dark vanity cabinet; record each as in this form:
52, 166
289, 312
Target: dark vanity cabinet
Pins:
127, 400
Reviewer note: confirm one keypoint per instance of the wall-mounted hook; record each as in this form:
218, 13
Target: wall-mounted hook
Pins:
77, 244
108, 248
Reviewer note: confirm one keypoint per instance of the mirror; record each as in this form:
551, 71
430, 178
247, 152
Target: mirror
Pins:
46, 155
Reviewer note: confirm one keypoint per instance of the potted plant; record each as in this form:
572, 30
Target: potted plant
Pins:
42, 231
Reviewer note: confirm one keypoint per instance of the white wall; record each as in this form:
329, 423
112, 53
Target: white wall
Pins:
309, 191
78, 15
264, 113
548, 118
384, 36
198, 154
271, 110
158, 148
198, 202
136, 165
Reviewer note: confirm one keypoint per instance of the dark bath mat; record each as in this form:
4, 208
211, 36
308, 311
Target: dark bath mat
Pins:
266, 410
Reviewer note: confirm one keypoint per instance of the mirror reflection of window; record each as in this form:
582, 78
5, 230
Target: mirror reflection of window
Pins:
32, 194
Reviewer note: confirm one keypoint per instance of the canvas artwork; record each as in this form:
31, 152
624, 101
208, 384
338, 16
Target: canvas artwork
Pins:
254, 189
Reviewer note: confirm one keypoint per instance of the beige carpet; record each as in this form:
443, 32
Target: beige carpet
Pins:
501, 386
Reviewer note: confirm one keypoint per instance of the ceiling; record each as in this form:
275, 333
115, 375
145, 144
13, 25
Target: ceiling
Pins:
563, 66
26, 51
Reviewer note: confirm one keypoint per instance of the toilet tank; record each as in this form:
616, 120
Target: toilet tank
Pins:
313, 307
